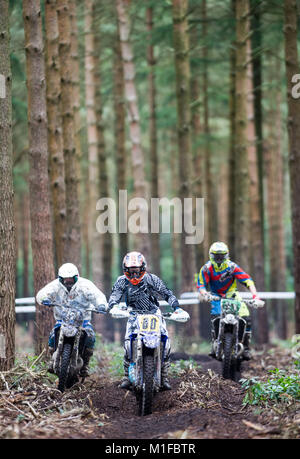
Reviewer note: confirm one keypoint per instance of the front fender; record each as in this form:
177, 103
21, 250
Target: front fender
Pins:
151, 340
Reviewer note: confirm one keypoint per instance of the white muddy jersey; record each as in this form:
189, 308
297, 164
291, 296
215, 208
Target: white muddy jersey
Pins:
83, 294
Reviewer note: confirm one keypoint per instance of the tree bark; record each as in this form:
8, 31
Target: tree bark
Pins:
256, 258
197, 132
211, 199
241, 225
76, 87
92, 141
183, 81
103, 188
292, 68
73, 236
55, 140
119, 129
25, 242
232, 115
7, 223
41, 230
141, 239
155, 249
275, 193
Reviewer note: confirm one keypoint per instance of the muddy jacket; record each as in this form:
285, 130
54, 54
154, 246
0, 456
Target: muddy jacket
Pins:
142, 297
83, 294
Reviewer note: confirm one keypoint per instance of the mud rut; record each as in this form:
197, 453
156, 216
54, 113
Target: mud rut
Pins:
201, 405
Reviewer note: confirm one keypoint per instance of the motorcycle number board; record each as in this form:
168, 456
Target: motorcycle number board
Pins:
148, 323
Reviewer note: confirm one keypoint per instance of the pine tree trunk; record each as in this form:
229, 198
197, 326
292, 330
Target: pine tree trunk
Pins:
182, 70
211, 201
73, 236
275, 193
292, 68
103, 188
41, 229
256, 259
155, 249
197, 132
256, 56
55, 141
7, 224
119, 129
231, 172
105, 325
241, 225
76, 86
183, 81
141, 239
92, 142
25, 241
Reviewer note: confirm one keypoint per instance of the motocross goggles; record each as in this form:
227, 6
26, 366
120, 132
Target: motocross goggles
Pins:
68, 282
134, 274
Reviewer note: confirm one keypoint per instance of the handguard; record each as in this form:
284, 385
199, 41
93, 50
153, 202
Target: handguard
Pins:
255, 303
118, 313
179, 315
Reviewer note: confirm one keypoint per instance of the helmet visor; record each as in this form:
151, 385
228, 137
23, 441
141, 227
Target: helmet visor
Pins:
219, 258
68, 282
134, 272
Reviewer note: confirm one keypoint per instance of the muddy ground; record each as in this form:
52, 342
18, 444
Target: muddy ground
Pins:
201, 405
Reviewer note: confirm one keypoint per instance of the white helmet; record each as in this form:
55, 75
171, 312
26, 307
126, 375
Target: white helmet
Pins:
68, 275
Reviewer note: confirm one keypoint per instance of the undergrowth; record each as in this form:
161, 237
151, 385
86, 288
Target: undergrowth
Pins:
282, 386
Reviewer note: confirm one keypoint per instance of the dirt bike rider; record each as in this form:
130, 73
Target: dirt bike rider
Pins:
140, 289
221, 274
70, 289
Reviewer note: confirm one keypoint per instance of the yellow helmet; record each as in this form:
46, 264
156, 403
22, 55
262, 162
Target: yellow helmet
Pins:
218, 254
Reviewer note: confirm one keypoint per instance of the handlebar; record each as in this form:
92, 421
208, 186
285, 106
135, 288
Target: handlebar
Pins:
118, 313
255, 303
89, 309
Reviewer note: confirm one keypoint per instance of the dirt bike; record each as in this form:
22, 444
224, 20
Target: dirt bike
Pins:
147, 353
70, 340
229, 331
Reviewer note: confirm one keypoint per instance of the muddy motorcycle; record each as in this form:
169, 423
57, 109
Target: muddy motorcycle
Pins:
70, 340
229, 331
147, 345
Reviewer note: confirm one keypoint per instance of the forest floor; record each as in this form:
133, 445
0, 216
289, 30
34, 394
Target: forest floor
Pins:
201, 405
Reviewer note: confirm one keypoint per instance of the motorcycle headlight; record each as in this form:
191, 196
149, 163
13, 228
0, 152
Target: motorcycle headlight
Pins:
151, 340
69, 330
230, 319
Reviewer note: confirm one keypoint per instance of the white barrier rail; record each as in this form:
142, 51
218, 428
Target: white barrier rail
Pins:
245, 295
186, 299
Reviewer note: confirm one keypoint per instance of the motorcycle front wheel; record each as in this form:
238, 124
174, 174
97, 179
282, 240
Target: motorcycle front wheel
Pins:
229, 363
145, 397
64, 366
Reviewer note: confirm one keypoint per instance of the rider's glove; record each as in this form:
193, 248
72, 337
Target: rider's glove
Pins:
204, 295
101, 308
175, 305
46, 302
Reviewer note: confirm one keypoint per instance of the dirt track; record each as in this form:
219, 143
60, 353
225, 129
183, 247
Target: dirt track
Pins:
201, 405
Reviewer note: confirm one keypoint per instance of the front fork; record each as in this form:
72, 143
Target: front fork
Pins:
218, 345
137, 357
58, 352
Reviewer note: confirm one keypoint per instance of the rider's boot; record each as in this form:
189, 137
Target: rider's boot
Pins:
84, 371
50, 366
247, 354
125, 384
165, 384
212, 351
